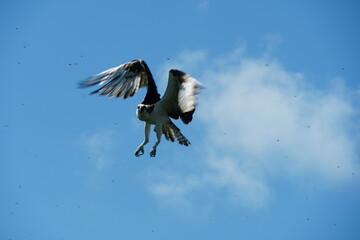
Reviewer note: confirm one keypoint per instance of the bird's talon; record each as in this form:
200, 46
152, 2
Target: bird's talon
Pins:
153, 152
139, 152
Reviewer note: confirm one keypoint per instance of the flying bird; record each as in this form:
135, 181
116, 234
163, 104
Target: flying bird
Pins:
178, 101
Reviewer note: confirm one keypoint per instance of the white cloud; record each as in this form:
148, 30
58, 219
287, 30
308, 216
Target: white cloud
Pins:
97, 146
203, 5
172, 187
269, 112
262, 121
246, 188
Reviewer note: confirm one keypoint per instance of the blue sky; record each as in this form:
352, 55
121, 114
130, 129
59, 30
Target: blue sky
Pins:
275, 137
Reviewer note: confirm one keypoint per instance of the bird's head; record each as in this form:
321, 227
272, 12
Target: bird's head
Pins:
141, 107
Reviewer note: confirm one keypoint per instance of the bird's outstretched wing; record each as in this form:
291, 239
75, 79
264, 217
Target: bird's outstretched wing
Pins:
180, 96
125, 80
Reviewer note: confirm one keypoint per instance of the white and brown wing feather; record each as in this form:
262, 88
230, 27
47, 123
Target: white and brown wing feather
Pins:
124, 80
180, 96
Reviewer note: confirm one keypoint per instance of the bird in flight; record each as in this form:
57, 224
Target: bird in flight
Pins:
178, 101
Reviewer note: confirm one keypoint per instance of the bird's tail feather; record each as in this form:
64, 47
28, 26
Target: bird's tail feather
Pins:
172, 132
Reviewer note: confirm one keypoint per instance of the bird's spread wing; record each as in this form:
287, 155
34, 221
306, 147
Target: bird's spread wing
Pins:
180, 96
123, 80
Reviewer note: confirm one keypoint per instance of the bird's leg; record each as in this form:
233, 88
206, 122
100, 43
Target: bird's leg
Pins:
158, 129
140, 150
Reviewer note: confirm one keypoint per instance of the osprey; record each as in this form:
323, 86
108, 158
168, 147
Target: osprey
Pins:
179, 100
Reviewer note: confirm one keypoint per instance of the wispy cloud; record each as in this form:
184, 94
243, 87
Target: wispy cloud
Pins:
269, 113
263, 121
203, 5
173, 187
97, 146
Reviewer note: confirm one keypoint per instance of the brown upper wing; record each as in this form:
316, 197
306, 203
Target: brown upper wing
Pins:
180, 96
123, 80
